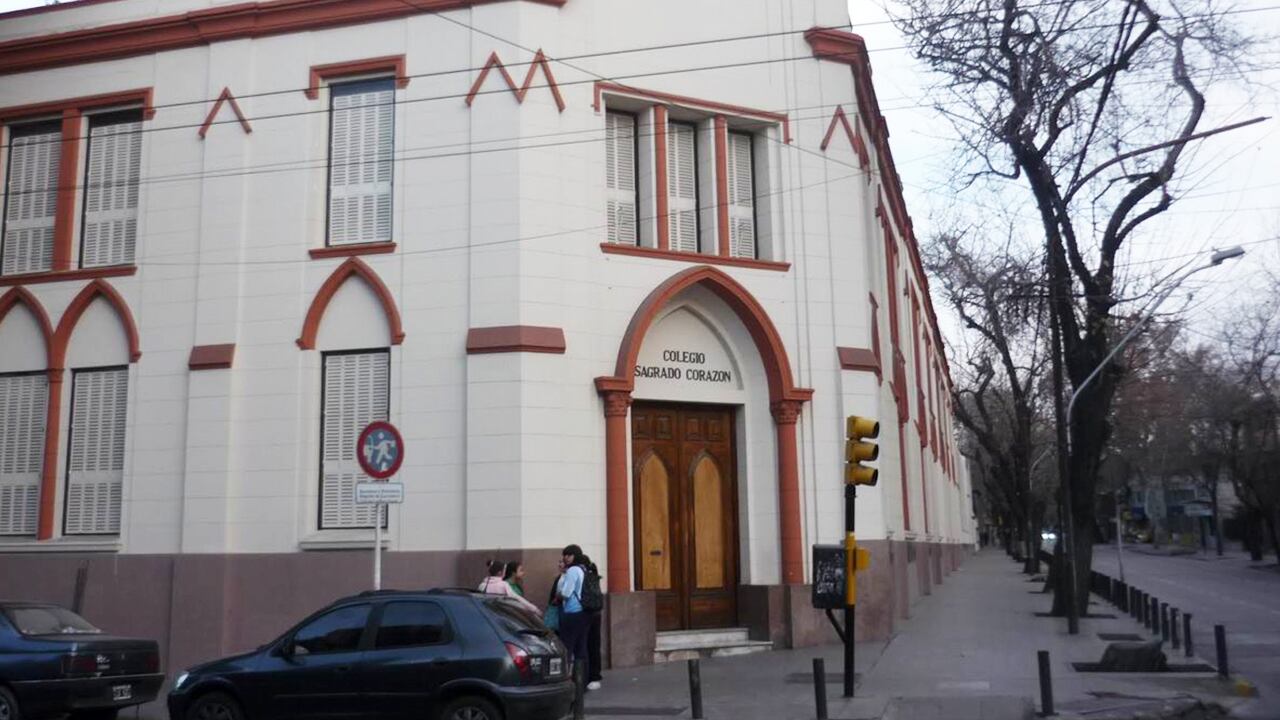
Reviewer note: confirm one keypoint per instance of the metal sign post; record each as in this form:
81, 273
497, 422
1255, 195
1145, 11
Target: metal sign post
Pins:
380, 451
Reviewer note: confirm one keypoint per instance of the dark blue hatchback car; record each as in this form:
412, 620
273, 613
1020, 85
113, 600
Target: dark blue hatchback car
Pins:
52, 661
453, 655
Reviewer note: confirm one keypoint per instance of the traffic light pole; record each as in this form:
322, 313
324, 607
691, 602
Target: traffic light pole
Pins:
850, 566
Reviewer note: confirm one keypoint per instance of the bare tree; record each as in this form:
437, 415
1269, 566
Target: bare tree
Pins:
1091, 104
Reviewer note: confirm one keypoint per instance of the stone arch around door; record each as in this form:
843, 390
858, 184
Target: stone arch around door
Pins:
785, 400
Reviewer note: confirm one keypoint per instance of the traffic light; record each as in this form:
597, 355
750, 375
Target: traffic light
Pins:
858, 451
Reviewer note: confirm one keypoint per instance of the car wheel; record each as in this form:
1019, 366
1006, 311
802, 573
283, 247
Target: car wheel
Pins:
470, 707
215, 706
8, 705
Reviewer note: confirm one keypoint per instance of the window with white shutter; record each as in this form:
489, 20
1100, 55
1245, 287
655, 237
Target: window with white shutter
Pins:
111, 189
95, 455
23, 398
742, 201
620, 162
356, 392
361, 129
682, 187
31, 197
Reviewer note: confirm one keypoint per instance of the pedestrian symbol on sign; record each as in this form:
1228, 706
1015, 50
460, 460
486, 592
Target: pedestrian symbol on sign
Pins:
380, 450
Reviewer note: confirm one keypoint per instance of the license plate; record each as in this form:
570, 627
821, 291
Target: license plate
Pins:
557, 666
121, 692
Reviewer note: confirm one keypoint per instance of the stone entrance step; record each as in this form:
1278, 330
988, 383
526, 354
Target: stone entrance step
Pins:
679, 645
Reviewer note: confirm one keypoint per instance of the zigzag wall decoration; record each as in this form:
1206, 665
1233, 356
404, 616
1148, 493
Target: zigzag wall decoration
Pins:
539, 61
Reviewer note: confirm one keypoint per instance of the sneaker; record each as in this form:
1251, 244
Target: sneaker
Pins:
593, 685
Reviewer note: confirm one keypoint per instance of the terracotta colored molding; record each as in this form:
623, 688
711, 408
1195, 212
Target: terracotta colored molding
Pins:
393, 64
662, 197
49, 471
202, 27
840, 119
41, 9
637, 251
722, 183
875, 333
99, 288
65, 275
333, 251
837, 46
617, 511
211, 357
226, 97
612, 88
352, 267
16, 295
860, 359
64, 217
515, 338
539, 62
902, 465
125, 98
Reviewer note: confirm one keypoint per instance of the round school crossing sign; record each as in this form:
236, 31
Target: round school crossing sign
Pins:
380, 450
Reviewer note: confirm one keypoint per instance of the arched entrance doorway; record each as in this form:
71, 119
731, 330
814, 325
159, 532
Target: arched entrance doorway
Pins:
696, 460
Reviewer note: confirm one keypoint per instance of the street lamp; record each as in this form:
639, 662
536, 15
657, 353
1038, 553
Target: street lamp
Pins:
1217, 258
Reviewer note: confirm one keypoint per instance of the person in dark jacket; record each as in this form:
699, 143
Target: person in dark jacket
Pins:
594, 662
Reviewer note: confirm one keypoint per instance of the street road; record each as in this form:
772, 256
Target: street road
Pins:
1231, 591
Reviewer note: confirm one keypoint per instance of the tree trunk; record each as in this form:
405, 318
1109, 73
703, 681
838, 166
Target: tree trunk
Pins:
1217, 521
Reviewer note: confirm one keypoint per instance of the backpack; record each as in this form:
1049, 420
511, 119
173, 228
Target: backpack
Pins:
592, 598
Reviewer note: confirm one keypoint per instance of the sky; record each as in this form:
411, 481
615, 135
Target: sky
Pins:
1235, 199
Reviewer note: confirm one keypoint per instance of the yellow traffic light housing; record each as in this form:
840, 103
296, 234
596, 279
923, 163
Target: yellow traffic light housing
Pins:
858, 451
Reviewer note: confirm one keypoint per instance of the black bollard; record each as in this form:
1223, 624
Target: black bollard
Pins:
820, 687
579, 689
1220, 639
695, 688
1155, 616
1144, 604
1164, 622
1186, 633
1173, 627
1046, 684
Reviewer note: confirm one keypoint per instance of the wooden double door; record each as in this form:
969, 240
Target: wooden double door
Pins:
686, 513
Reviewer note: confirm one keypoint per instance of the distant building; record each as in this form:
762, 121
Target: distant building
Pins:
623, 299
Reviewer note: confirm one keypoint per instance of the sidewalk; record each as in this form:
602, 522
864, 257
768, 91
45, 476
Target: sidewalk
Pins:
967, 653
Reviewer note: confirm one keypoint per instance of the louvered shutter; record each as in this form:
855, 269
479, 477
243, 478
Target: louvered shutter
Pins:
111, 193
32, 191
620, 161
95, 461
682, 188
355, 394
22, 420
742, 201
360, 161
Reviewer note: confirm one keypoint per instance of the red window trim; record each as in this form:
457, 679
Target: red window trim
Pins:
63, 275
698, 258
333, 251
393, 64
709, 106
136, 96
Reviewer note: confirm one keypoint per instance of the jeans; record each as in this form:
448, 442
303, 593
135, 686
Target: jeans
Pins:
574, 628
594, 665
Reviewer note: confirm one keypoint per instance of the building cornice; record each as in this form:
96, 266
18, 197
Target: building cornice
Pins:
202, 27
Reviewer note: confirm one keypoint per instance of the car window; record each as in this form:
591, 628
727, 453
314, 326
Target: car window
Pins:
410, 624
337, 631
49, 620
513, 618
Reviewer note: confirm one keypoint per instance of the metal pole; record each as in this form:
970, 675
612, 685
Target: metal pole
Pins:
1119, 537
579, 688
377, 550
820, 687
1164, 622
695, 688
1186, 633
1173, 627
1220, 640
850, 569
1046, 684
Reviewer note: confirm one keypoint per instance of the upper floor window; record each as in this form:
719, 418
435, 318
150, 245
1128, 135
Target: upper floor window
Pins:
110, 229
356, 392
31, 197
23, 399
620, 177
742, 199
361, 146
95, 454
682, 186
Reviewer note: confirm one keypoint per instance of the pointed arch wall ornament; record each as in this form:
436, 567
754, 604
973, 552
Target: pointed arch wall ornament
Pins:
853, 132
539, 61
71, 316
225, 97
785, 403
352, 267
21, 295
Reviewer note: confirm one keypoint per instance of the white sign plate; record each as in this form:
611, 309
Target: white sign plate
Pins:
368, 493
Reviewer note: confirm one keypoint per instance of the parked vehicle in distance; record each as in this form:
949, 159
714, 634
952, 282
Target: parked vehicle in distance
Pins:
53, 662
448, 654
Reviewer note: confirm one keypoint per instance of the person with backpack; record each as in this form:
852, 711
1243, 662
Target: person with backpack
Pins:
579, 594
595, 665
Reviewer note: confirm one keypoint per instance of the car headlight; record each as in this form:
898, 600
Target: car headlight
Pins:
182, 679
